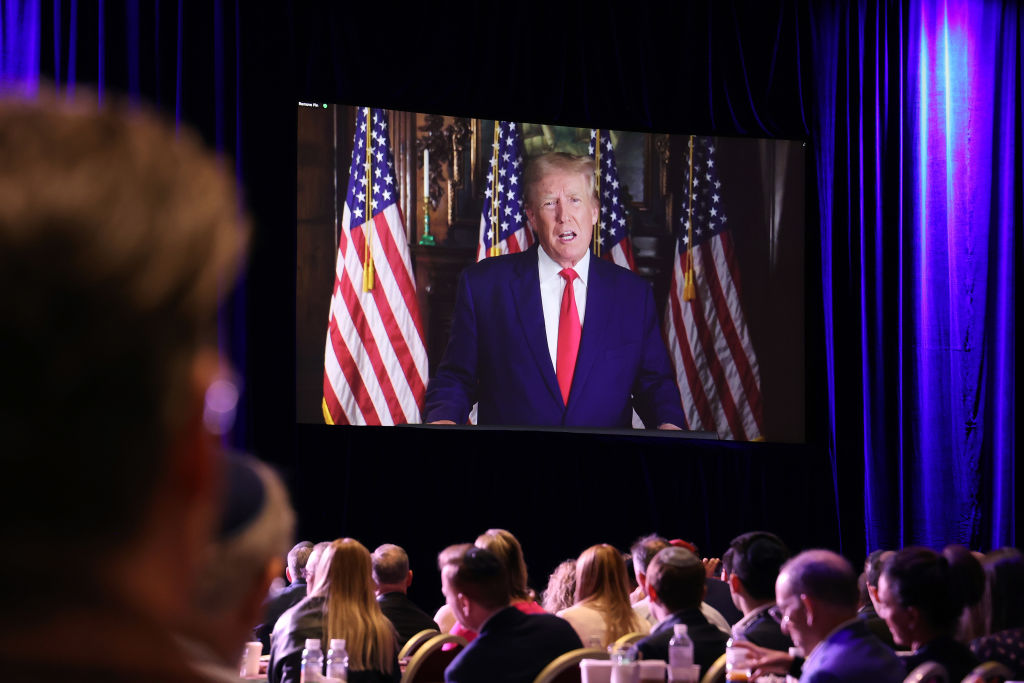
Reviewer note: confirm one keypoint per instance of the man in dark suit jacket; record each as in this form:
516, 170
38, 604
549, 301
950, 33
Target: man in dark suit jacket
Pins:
275, 605
675, 583
393, 577
511, 646
513, 340
751, 565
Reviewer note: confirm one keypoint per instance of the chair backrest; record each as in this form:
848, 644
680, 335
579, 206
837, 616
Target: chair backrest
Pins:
415, 641
715, 672
928, 672
566, 667
431, 659
989, 672
630, 638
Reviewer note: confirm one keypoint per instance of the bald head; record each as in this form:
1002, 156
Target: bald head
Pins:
823, 575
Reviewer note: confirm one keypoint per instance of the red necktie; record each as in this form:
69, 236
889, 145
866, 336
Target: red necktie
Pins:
568, 335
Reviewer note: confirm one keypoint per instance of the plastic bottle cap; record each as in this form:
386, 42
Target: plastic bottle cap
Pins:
337, 643
679, 629
312, 643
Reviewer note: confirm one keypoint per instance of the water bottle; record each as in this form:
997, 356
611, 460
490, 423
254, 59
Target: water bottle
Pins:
337, 662
624, 665
312, 662
680, 654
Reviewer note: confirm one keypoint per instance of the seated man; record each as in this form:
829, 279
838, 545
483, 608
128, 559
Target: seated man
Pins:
534, 350
816, 595
675, 584
119, 239
276, 604
256, 526
511, 646
752, 564
393, 577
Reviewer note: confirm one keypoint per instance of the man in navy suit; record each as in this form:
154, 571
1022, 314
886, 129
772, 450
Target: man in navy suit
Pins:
816, 594
511, 646
532, 350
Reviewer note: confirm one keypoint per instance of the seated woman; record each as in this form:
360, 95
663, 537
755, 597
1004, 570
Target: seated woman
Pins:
342, 604
1004, 571
602, 612
503, 544
922, 605
561, 590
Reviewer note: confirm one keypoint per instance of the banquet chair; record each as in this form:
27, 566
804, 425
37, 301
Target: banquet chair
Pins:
629, 639
415, 641
989, 672
715, 672
431, 659
566, 667
928, 672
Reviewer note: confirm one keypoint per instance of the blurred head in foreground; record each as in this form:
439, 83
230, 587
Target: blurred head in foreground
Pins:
119, 239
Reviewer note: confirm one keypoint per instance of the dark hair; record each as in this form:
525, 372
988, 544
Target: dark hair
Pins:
481, 576
644, 550
920, 578
677, 576
873, 566
755, 558
965, 573
1004, 569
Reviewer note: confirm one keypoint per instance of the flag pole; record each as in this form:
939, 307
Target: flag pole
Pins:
597, 180
689, 287
495, 250
368, 236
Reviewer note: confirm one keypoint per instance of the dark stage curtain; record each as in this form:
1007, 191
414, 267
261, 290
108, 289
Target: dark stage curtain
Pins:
913, 115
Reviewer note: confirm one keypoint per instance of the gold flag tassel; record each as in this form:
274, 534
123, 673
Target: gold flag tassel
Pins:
597, 187
689, 277
368, 236
495, 249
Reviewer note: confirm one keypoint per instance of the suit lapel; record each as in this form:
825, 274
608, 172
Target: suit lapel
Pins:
524, 290
594, 329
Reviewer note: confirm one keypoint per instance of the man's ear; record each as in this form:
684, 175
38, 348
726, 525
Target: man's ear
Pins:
809, 609
735, 585
463, 603
652, 594
408, 580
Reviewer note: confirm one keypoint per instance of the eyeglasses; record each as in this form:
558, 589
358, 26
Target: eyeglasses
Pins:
779, 615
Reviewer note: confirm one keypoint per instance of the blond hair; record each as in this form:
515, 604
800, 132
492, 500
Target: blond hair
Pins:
507, 549
540, 166
601, 581
351, 610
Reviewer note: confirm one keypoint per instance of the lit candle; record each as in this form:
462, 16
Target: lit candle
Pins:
426, 173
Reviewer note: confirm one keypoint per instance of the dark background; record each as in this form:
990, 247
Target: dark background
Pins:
236, 70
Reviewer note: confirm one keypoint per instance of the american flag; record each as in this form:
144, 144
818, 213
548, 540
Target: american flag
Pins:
502, 221
613, 240
375, 365
714, 361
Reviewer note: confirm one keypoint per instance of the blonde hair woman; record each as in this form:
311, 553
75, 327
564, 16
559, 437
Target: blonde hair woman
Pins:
351, 612
602, 612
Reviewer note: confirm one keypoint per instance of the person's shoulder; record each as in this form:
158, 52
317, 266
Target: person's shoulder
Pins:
505, 263
603, 268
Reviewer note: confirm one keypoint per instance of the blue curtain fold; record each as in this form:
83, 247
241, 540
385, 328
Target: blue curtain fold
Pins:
919, 239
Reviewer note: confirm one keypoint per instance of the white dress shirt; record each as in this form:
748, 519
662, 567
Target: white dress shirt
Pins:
552, 285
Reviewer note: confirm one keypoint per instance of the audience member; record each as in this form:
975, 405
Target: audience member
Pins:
512, 646
921, 605
751, 565
444, 617
313, 563
342, 604
506, 548
393, 577
868, 610
642, 552
561, 590
119, 238
601, 613
255, 528
717, 595
965, 571
276, 604
675, 584
1004, 571
816, 598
